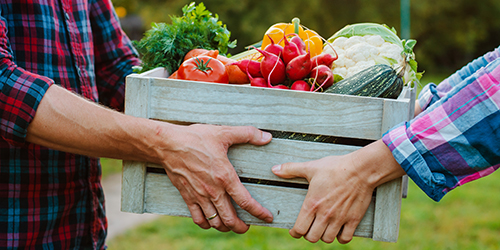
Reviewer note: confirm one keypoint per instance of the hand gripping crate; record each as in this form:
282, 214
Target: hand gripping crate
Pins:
147, 189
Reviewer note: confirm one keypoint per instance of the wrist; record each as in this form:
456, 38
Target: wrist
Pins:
376, 164
157, 139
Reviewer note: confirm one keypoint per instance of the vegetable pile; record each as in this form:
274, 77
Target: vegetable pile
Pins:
365, 59
165, 45
290, 59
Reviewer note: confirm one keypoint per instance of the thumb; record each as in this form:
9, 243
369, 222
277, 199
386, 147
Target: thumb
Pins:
248, 134
292, 170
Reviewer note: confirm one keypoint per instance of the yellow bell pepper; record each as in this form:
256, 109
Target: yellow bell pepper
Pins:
313, 41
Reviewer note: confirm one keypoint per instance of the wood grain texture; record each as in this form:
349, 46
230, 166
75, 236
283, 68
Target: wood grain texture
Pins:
410, 94
133, 173
283, 110
388, 208
252, 161
387, 211
284, 203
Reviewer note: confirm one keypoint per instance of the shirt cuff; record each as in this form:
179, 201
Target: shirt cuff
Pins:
413, 163
21, 94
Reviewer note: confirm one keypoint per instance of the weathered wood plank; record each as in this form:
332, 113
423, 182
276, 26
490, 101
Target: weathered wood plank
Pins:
388, 198
256, 161
295, 111
410, 94
284, 203
387, 211
133, 173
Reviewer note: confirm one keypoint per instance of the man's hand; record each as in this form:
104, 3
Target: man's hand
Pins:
198, 166
195, 157
340, 191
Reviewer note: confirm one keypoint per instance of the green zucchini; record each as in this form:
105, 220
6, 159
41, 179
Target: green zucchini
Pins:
380, 80
394, 90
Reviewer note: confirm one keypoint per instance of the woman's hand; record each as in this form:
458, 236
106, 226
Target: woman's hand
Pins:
340, 191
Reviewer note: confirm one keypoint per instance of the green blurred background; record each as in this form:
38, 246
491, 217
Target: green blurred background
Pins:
449, 33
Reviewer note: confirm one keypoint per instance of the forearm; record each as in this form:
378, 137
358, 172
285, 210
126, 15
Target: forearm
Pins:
67, 122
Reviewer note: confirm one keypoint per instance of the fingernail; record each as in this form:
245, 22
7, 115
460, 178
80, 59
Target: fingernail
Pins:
276, 168
269, 219
266, 136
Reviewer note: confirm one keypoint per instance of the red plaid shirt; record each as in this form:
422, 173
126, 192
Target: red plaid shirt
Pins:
51, 199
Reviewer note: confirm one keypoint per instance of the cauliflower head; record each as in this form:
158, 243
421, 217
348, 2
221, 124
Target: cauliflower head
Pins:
363, 45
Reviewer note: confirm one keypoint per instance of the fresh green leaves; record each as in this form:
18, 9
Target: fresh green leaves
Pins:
361, 29
165, 45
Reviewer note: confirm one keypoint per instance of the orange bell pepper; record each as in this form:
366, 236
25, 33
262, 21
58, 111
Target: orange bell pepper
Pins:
313, 41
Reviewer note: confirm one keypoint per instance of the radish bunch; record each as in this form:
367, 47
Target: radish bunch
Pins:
290, 67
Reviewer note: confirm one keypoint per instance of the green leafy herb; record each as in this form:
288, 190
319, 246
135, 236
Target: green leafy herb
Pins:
165, 45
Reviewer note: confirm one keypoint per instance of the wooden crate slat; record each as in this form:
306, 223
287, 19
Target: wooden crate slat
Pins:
252, 161
388, 208
163, 198
388, 211
295, 111
133, 173
410, 94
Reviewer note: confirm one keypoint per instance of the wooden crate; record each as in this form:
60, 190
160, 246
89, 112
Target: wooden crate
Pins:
150, 95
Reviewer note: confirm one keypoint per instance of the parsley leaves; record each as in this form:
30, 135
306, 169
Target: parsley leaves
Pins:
165, 45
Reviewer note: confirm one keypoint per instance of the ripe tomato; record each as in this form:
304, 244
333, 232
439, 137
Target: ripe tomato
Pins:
203, 68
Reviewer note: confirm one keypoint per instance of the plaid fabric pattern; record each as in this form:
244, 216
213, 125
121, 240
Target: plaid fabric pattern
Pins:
455, 140
51, 199
432, 93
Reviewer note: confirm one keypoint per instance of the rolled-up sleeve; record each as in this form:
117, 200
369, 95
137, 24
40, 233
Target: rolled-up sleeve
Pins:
431, 92
455, 140
21, 93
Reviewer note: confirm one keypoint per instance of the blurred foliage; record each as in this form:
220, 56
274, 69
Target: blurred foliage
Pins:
449, 33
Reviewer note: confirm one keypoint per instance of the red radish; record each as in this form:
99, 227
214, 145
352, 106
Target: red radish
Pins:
323, 59
322, 76
299, 42
280, 86
290, 51
258, 82
253, 67
299, 67
255, 81
272, 68
274, 47
301, 85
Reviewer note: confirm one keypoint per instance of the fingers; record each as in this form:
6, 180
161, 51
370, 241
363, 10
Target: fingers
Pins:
316, 231
205, 215
247, 134
227, 215
345, 236
304, 220
243, 198
332, 230
212, 217
292, 170
198, 216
